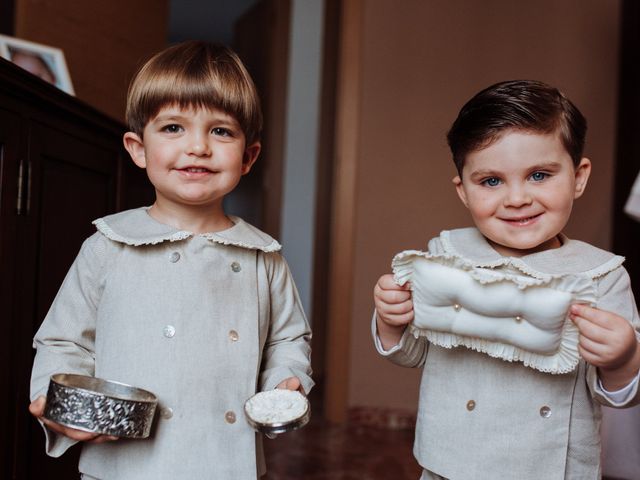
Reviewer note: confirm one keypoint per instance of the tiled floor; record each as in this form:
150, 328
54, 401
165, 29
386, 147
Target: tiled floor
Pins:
324, 452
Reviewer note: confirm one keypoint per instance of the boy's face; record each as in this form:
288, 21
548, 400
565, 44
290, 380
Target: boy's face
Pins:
520, 190
193, 157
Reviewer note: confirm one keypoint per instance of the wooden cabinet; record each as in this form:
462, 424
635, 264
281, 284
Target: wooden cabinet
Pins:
61, 166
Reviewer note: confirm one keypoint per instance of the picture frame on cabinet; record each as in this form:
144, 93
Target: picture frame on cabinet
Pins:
43, 61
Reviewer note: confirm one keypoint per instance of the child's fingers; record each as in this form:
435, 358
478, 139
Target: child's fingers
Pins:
590, 347
398, 319
590, 330
36, 408
291, 383
392, 296
592, 315
395, 308
588, 356
387, 282
103, 439
72, 433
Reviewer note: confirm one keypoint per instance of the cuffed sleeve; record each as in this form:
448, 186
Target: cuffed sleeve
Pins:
287, 351
65, 341
409, 352
615, 295
624, 394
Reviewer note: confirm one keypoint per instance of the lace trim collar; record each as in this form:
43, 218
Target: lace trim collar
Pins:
573, 257
136, 228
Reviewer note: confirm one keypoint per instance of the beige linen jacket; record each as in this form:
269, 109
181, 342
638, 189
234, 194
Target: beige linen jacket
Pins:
203, 321
484, 418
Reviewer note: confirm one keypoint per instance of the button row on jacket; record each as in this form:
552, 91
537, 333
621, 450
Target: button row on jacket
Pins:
167, 413
545, 411
169, 331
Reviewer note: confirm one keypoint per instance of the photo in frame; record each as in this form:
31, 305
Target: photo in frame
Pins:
44, 61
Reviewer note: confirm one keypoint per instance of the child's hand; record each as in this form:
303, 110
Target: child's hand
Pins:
608, 342
394, 308
291, 383
393, 302
36, 408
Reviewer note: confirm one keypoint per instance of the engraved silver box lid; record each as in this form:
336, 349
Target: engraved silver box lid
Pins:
101, 406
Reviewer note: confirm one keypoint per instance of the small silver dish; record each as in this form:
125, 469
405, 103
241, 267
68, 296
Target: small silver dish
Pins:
273, 428
101, 406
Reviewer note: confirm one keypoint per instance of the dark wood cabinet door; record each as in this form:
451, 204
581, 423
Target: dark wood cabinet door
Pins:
72, 181
9, 167
62, 165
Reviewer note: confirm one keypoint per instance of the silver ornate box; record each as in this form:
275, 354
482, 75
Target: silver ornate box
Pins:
101, 406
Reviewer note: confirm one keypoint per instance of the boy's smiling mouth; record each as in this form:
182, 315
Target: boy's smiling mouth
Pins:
522, 221
194, 170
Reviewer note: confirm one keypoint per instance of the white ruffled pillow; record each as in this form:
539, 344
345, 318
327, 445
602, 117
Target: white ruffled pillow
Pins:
503, 312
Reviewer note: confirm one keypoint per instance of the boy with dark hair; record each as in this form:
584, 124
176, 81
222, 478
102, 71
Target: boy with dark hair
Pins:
506, 392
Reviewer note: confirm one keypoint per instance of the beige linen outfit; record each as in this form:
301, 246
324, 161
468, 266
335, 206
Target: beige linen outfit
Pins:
203, 321
484, 418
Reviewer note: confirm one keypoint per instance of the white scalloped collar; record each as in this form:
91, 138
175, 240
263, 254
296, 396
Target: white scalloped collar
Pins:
573, 257
136, 227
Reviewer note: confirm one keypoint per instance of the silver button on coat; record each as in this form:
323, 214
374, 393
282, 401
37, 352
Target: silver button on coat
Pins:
169, 331
230, 417
545, 411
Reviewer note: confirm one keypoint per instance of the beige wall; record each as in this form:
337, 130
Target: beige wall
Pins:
103, 41
421, 60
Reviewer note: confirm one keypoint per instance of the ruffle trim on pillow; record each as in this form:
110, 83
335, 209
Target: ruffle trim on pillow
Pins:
566, 358
564, 361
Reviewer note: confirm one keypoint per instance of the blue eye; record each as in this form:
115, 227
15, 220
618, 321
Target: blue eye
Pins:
491, 182
538, 176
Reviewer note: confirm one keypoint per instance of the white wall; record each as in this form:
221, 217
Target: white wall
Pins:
301, 143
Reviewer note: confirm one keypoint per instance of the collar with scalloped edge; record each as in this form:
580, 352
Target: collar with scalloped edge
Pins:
136, 228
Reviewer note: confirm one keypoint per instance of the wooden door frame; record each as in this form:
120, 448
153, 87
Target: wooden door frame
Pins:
626, 231
343, 211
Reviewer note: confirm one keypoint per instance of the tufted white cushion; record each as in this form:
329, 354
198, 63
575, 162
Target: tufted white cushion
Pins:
504, 312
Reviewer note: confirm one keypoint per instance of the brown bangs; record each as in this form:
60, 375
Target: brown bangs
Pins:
195, 74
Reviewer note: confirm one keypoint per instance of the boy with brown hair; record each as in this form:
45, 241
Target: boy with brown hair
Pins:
179, 298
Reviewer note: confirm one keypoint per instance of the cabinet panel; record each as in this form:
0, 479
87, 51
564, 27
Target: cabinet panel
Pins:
62, 165
9, 141
72, 182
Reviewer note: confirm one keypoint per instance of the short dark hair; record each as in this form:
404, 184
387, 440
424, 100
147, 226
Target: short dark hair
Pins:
527, 105
195, 74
